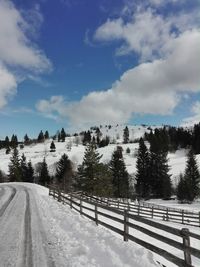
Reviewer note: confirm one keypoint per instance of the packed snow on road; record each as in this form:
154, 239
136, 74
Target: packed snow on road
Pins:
38, 231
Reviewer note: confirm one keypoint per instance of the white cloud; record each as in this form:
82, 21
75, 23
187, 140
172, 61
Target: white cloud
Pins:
15, 48
8, 85
17, 52
195, 118
53, 108
163, 2
145, 32
150, 88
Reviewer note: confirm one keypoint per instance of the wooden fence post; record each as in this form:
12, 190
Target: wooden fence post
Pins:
54, 193
63, 198
138, 209
71, 202
96, 214
81, 208
152, 212
199, 219
167, 215
182, 216
186, 246
59, 195
126, 228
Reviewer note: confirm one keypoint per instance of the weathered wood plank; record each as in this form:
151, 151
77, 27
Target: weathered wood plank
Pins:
111, 217
170, 257
159, 237
114, 229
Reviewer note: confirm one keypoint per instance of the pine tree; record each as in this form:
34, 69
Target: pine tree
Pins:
7, 142
182, 189
104, 142
44, 177
8, 150
52, 147
2, 177
196, 139
142, 174
1, 144
88, 170
26, 139
192, 176
103, 183
41, 137
30, 173
14, 167
14, 141
46, 135
87, 138
119, 173
23, 166
159, 178
93, 140
62, 135
27, 172
98, 135
64, 173
126, 135
59, 137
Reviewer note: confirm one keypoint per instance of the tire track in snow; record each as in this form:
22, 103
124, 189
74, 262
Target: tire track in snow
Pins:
34, 251
27, 244
41, 237
11, 223
2, 191
22, 224
6, 204
24, 258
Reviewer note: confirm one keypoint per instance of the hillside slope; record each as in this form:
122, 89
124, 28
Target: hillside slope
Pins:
36, 152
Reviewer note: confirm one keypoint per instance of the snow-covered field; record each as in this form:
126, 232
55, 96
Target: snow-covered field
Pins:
38, 231
50, 234
193, 207
36, 152
88, 208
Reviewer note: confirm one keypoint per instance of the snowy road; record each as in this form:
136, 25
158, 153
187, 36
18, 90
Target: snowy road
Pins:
21, 238
35, 230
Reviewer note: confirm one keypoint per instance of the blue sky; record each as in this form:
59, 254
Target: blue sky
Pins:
79, 63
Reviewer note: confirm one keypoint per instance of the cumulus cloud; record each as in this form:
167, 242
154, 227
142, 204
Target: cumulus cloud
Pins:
8, 85
163, 2
54, 108
195, 118
145, 32
150, 88
15, 47
17, 52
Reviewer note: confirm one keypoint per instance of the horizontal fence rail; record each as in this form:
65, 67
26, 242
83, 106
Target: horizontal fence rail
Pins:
150, 210
156, 237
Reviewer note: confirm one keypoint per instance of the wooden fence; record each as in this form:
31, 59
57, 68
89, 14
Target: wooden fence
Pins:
150, 210
133, 227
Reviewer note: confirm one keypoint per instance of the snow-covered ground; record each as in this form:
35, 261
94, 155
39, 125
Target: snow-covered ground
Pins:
38, 231
193, 207
36, 152
89, 209
48, 233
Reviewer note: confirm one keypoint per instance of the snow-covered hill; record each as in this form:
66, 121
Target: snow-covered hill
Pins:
36, 152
